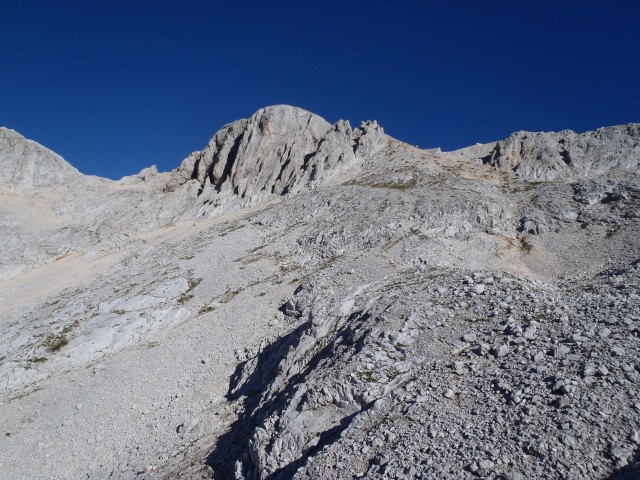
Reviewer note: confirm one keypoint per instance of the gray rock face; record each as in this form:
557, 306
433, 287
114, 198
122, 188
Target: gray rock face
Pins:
566, 154
378, 311
278, 150
27, 164
378, 373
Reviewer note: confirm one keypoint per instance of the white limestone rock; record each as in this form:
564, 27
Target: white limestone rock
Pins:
546, 156
27, 164
279, 150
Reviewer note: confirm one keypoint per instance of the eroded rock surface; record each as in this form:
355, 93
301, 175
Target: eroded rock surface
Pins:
278, 150
566, 154
307, 300
27, 164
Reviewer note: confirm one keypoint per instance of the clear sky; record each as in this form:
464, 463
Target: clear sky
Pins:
115, 86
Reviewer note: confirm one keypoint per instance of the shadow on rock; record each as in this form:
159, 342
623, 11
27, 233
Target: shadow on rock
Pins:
631, 471
230, 458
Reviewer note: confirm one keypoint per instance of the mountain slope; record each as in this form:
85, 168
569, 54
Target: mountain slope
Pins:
304, 300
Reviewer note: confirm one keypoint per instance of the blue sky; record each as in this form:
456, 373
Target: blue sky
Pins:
115, 86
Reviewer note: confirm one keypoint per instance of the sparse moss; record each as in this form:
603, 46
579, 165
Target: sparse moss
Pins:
252, 256
416, 232
206, 309
254, 250
38, 360
393, 374
231, 228
408, 185
119, 312
612, 231
230, 295
68, 328
54, 343
525, 187
184, 298
525, 244
367, 376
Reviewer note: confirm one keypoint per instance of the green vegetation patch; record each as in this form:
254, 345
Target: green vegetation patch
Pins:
188, 295
612, 231
38, 360
55, 343
206, 309
231, 228
525, 244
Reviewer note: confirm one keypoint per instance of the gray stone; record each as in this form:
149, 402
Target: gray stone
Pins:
539, 357
502, 351
469, 337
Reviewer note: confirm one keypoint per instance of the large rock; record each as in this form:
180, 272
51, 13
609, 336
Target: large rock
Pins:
27, 164
279, 150
548, 156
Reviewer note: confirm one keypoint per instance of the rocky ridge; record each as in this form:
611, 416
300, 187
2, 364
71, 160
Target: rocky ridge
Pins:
279, 150
325, 302
554, 156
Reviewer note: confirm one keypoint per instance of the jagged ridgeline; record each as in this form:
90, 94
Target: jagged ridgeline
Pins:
279, 150
301, 299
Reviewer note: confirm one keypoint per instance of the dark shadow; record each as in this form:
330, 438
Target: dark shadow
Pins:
630, 472
611, 197
490, 159
307, 159
326, 438
487, 159
232, 447
283, 167
231, 159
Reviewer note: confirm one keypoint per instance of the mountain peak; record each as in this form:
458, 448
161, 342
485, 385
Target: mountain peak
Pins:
279, 150
27, 164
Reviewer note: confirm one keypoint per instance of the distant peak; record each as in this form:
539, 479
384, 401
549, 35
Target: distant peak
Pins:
27, 164
551, 155
281, 110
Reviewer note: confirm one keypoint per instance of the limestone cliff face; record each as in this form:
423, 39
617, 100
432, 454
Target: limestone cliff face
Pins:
279, 150
27, 164
550, 156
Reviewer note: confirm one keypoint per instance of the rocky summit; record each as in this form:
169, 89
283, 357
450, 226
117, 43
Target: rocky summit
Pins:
306, 300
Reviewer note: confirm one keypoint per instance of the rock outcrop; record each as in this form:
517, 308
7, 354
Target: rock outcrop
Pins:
419, 376
27, 164
550, 156
279, 150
